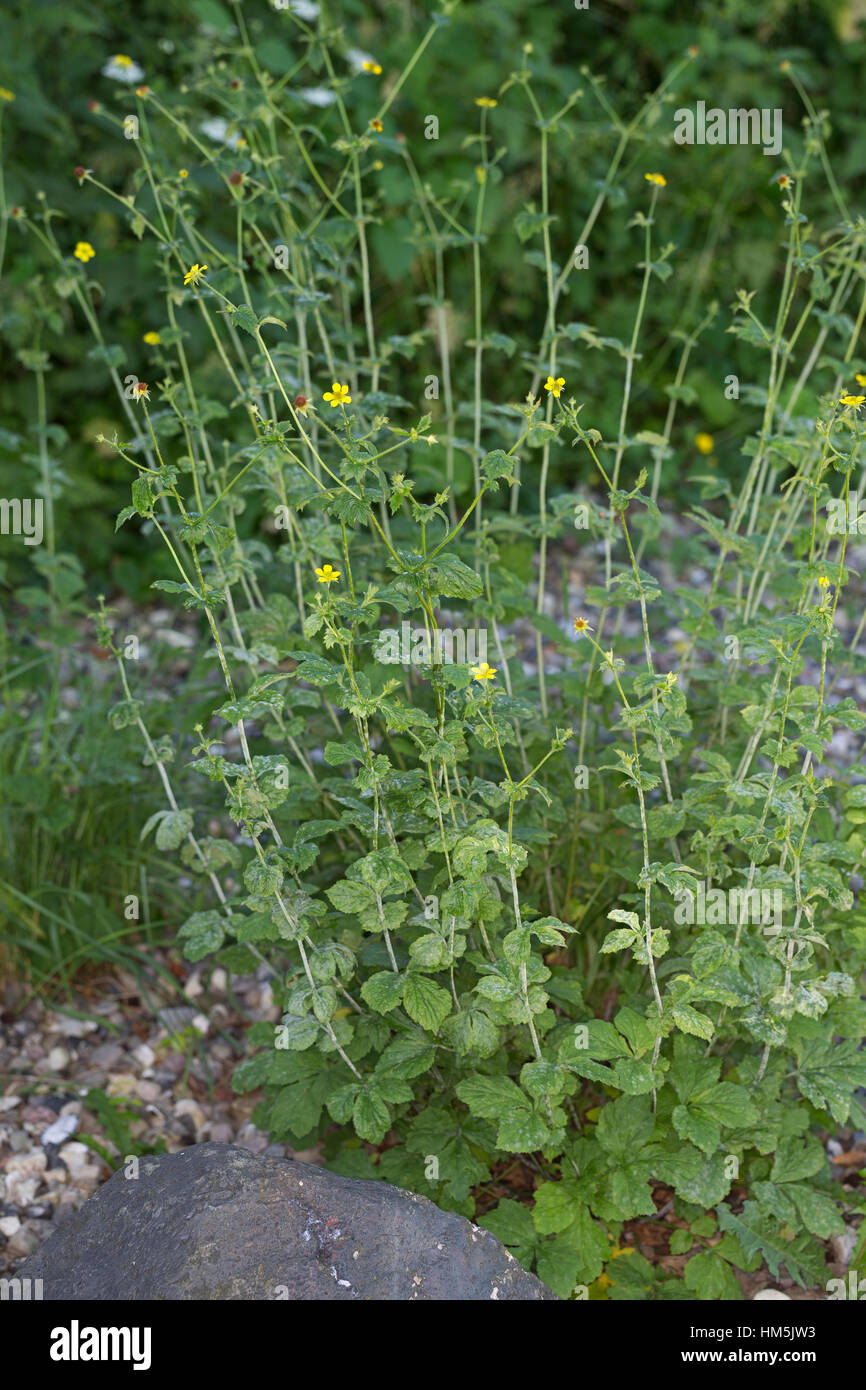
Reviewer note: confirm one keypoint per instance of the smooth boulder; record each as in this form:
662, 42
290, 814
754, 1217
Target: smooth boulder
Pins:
217, 1222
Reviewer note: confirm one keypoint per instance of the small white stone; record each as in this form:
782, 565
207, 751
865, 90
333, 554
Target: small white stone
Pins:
766, 1295
9, 1225
60, 1131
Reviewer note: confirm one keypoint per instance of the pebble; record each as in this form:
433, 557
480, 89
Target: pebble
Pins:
107, 1055
26, 1164
121, 1083
60, 1130
148, 1091
193, 1110
59, 1059
40, 1211
23, 1243
843, 1246
21, 1190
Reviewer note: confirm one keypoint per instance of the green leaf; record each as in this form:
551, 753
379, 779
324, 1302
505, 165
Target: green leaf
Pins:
511, 1223
690, 1021
452, 579
406, 1057
347, 896
427, 1003
383, 991
799, 1256
488, 1096
202, 933
625, 1125
711, 1278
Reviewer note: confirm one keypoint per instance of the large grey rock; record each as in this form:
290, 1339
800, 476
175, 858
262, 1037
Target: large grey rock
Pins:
217, 1222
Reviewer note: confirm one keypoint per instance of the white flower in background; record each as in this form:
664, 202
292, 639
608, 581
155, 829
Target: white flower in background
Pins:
317, 96
304, 9
356, 59
123, 69
219, 130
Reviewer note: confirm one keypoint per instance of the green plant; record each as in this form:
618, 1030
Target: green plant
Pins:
115, 1116
429, 850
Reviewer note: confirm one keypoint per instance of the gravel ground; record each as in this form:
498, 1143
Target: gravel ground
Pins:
169, 1067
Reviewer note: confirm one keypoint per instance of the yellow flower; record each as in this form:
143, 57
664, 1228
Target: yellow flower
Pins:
376, 124
581, 625
194, 274
141, 391
480, 173
554, 385
152, 339
183, 173
486, 101
671, 678
823, 582
327, 574
860, 379
658, 179
853, 400
338, 395
784, 180
378, 164
83, 252
484, 672
373, 67
704, 443
6, 95
122, 61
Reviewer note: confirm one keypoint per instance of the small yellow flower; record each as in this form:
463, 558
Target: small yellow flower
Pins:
704, 443
338, 395
373, 67
6, 95
486, 101
672, 679
327, 574
860, 379
83, 252
658, 179
183, 173
152, 339
376, 124
122, 60
480, 173
581, 625
378, 165
823, 582
784, 180
484, 672
141, 391
554, 385
854, 400
194, 274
